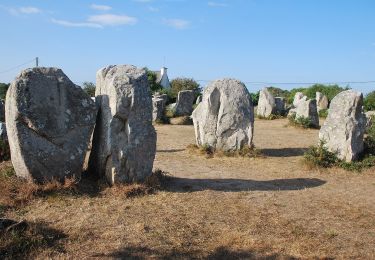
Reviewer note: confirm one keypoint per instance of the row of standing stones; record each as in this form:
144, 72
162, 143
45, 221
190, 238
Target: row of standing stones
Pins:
50, 122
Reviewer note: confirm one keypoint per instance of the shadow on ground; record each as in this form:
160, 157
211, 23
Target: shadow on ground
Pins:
170, 151
237, 185
284, 152
218, 253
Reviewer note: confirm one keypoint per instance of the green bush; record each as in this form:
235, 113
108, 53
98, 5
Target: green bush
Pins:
89, 88
300, 121
329, 90
369, 101
179, 84
254, 98
323, 113
3, 90
320, 156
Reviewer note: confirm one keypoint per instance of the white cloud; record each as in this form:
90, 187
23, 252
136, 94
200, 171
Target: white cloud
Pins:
177, 23
216, 4
75, 24
112, 19
100, 7
29, 10
153, 9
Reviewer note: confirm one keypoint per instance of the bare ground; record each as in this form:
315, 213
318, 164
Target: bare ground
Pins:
270, 207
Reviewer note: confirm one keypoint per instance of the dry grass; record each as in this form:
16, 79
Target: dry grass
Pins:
181, 120
222, 208
210, 152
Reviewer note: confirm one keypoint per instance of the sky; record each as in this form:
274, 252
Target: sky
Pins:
260, 42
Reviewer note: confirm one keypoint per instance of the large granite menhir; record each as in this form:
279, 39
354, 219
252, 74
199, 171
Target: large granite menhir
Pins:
49, 122
345, 126
266, 104
124, 141
225, 117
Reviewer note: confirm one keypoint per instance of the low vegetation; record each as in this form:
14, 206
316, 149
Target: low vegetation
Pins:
319, 156
210, 152
270, 117
369, 102
300, 121
323, 113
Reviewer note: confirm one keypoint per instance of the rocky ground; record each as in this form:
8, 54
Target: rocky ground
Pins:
267, 207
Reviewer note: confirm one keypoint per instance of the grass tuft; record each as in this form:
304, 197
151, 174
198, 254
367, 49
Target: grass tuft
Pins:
210, 152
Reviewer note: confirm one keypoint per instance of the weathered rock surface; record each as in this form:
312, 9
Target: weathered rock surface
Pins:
199, 99
297, 97
266, 104
225, 117
321, 101
306, 108
49, 123
124, 142
370, 115
280, 105
184, 104
344, 127
158, 105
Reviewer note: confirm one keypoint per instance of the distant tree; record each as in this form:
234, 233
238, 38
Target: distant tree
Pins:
152, 77
278, 92
369, 102
329, 90
254, 98
3, 89
179, 84
89, 88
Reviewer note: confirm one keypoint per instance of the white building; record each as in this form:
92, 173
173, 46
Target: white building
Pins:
162, 78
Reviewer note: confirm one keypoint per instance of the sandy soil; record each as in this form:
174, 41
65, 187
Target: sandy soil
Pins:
270, 207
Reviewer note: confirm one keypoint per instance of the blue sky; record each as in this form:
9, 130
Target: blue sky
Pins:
251, 40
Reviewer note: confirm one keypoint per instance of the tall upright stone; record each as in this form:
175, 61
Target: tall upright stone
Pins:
184, 103
124, 141
345, 125
49, 122
266, 104
321, 101
297, 97
306, 108
225, 117
158, 106
280, 105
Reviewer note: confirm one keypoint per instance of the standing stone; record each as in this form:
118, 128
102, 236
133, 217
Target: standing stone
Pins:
124, 142
184, 104
49, 123
199, 99
307, 109
280, 105
297, 97
344, 127
370, 116
266, 104
158, 105
225, 117
321, 101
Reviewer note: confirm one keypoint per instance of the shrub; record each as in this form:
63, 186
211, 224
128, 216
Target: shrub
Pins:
300, 121
254, 98
3, 90
369, 102
89, 88
320, 156
323, 113
179, 84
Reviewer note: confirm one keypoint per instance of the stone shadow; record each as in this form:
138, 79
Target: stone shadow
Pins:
238, 185
170, 151
142, 252
283, 152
